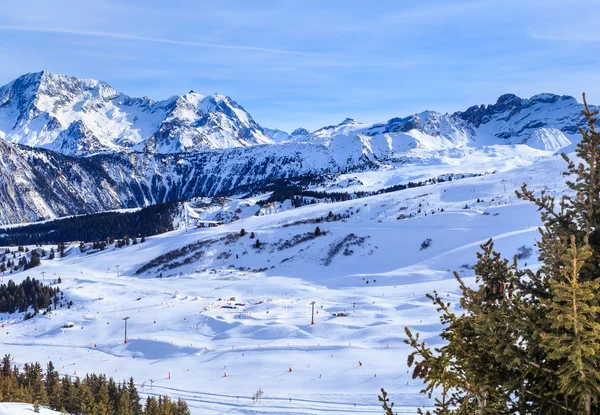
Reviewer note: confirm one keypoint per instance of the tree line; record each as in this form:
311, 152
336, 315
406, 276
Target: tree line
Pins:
96, 227
91, 395
301, 197
29, 293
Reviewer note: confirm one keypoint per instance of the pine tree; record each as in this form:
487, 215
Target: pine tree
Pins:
86, 400
574, 338
152, 406
103, 401
468, 364
124, 407
181, 407
317, 231
66, 394
134, 397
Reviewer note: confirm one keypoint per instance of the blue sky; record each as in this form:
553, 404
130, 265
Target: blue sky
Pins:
312, 63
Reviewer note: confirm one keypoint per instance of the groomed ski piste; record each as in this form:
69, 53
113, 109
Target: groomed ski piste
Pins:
228, 318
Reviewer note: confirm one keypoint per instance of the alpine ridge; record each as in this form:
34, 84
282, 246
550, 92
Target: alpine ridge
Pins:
84, 116
75, 146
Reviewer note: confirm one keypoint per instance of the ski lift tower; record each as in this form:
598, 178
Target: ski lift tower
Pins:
125, 320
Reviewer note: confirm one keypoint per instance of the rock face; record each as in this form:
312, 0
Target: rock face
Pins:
76, 146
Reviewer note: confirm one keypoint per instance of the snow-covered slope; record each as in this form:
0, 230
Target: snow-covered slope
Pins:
38, 184
229, 317
82, 116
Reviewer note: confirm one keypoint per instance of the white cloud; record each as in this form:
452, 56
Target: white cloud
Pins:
127, 36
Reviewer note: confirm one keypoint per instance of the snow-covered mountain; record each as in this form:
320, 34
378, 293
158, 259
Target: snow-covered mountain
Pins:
38, 184
545, 122
139, 152
84, 116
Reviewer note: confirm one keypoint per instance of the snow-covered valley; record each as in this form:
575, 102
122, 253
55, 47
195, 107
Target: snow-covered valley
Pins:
214, 316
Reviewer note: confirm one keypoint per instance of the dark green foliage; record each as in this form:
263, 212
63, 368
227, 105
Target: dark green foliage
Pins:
96, 227
286, 190
34, 260
92, 395
29, 293
317, 231
385, 403
426, 244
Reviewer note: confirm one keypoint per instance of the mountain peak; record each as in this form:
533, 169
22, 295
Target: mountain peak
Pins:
36, 108
300, 132
349, 121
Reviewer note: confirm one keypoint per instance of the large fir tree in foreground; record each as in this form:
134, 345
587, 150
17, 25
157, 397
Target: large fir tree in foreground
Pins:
527, 342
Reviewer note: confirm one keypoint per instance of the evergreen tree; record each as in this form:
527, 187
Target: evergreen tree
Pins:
66, 394
86, 400
574, 338
103, 402
181, 407
134, 397
152, 406
124, 407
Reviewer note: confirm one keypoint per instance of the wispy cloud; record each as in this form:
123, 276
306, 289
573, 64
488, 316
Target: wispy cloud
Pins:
567, 36
127, 36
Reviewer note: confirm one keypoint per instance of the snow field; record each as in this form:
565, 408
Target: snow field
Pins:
182, 342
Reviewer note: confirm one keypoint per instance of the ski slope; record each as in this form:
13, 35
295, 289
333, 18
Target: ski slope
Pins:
237, 318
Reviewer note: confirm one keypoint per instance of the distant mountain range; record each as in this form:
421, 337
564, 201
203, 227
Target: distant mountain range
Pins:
79, 146
83, 116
